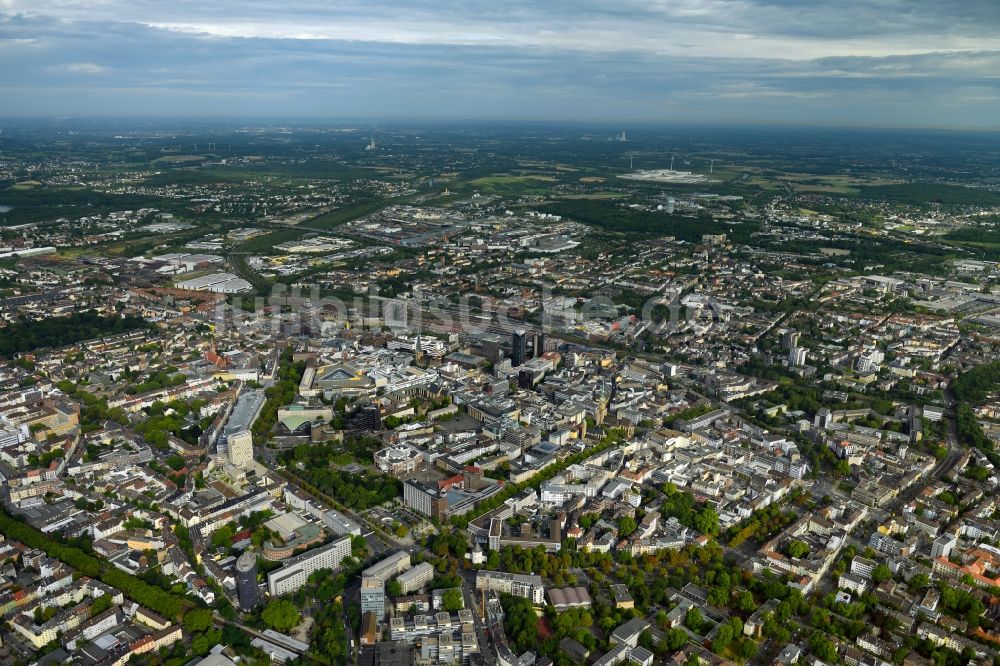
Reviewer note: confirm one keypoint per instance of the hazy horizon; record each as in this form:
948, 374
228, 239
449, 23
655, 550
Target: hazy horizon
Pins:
910, 64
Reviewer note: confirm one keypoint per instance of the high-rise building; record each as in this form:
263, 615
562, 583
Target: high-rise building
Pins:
538, 344
823, 418
491, 347
790, 340
870, 361
519, 347
246, 581
368, 417
241, 449
425, 499
525, 379
797, 357
373, 597
373, 582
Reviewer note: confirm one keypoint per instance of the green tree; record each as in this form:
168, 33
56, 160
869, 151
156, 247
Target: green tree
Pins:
101, 604
820, 646
197, 620
881, 573
796, 549
280, 615
706, 521
452, 600
223, 537
202, 643
693, 620
626, 526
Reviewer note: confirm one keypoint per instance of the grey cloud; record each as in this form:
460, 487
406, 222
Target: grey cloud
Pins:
62, 59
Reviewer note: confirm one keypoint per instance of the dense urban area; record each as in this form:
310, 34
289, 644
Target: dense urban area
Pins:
498, 396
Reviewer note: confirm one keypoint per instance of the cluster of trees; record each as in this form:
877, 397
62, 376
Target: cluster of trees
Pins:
822, 647
520, 623
627, 525
159, 425
328, 638
673, 640
281, 615
730, 635
611, 216
924, 193
222, 537
760, 526
821, 458
27, 336
451, 599
94, 411
200, 624
843, 620
161, 379
971, 433
312, 465
165, 603
975, 385
355, 447
448, 542
574, 623
796, 397
283, 392
775, 625
962, 604
516, 559
893, 254
161, 601
796, 549
101, 604
695, 621
47, 458
681, 505
43, 614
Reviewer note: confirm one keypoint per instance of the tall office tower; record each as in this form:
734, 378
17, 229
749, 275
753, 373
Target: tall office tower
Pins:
797, 357
369, 417
790, 340
538, 344
246, 581
491, 347
519, 347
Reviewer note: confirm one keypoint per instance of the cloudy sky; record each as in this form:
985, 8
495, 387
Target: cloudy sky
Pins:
906, 63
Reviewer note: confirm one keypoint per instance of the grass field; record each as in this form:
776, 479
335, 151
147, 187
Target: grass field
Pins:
180, 159
593, 195
341, 215
265, 244
489, 181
